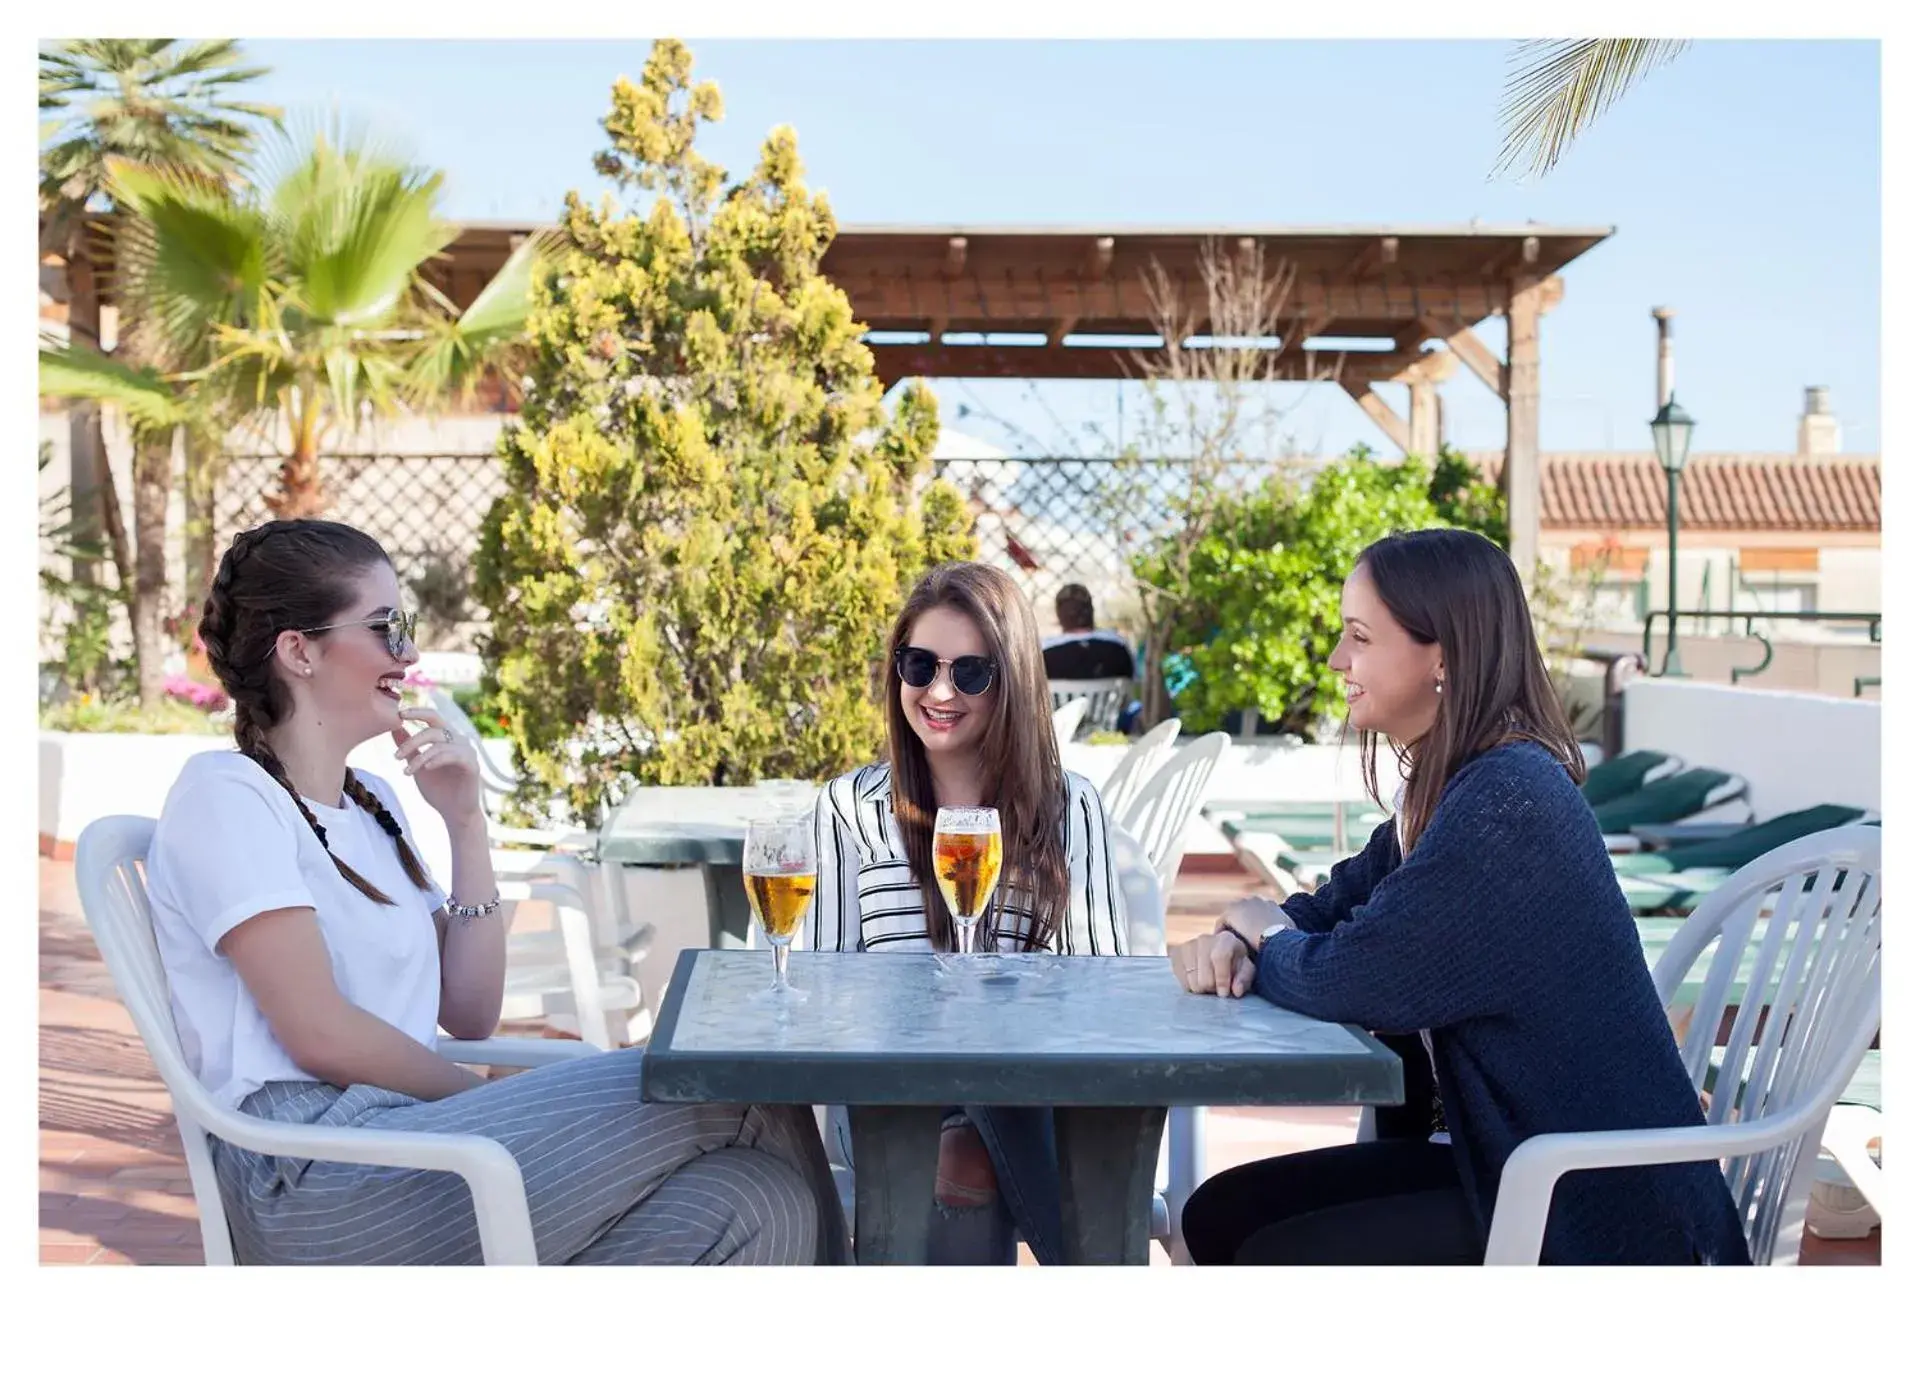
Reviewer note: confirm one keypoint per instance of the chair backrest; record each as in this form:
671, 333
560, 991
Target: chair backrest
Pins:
1166, 806
1106, 698
1142, 758
1140, 885
109, 869
1067, 717
491, 778
1791, 945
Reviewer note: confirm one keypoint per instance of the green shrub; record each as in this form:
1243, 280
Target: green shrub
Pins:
1265, 587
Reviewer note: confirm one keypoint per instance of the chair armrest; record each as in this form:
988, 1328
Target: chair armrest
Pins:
519, 1053
1850, 1127
491, 1173
542, 838
1537, 1164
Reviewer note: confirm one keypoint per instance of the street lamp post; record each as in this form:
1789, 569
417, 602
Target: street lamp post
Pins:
1672, 435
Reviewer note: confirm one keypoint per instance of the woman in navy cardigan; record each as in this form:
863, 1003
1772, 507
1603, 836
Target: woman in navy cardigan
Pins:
1484, 924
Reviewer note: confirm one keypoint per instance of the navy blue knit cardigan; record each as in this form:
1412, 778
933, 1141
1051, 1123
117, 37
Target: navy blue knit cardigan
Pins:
1505, 934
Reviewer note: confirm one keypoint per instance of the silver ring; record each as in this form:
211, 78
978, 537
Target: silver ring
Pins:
446, 735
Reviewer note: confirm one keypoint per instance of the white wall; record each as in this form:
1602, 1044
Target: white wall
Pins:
86, 776
1257, 770
1850, 578
1797, 750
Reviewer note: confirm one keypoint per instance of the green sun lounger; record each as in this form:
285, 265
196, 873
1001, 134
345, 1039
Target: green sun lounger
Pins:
1613, 778
1740, 848
1667, 799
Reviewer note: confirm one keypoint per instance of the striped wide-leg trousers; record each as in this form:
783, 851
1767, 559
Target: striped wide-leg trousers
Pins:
609, 1179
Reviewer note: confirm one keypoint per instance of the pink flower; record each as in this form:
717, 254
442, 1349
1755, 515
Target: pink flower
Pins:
198, 694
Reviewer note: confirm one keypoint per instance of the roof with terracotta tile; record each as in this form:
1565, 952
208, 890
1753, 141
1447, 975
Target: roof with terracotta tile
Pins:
1732, 491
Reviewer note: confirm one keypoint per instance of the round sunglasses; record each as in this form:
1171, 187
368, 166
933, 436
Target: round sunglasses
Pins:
396, 628
972, 674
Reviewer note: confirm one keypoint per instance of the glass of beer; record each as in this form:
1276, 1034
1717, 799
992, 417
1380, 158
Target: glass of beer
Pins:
966, 861
780, 872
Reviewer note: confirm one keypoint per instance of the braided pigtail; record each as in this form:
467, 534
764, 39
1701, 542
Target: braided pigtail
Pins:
373, 806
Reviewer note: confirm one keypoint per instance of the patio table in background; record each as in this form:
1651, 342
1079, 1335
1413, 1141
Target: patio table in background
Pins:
703, 826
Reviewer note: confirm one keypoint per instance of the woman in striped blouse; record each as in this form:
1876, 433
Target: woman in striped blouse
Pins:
970, 723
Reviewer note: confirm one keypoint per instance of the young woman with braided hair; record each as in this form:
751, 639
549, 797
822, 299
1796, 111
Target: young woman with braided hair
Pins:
311, 961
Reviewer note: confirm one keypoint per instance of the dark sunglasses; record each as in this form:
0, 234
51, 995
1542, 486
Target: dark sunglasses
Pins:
972, 675
396, 628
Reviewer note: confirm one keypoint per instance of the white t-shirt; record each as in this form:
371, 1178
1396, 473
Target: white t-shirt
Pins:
230, 845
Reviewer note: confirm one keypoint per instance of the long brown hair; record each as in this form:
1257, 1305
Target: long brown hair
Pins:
1453, 587
292, 573
1023, 778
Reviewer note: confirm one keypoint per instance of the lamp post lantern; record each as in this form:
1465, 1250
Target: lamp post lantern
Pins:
1672, 436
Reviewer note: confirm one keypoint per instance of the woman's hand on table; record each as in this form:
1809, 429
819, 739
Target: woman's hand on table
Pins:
1220, 964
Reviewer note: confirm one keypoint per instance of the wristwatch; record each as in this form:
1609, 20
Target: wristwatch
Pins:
1253, 946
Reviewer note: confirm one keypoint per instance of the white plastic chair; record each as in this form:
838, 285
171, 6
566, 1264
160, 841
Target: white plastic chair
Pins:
109, 868
1807, 915
1138, 764
1067, 716
559, 977
534, 855
1165, 807
1106, 698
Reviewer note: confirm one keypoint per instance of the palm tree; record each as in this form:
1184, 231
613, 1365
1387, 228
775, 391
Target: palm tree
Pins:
157, 408
1556, 88
307, 292
157, 101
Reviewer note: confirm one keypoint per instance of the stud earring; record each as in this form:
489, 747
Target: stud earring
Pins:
1436, 688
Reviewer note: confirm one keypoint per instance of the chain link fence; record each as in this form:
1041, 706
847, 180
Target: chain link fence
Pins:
425, 508
1046, 521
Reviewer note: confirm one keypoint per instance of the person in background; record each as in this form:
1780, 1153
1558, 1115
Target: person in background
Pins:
1081, 652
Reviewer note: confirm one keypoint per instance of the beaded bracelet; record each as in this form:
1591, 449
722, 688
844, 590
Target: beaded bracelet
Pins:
466, 913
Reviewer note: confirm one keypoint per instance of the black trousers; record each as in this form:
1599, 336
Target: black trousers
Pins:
1393, 1202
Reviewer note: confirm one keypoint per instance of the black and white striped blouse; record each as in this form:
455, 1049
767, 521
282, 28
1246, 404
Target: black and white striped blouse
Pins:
868, 898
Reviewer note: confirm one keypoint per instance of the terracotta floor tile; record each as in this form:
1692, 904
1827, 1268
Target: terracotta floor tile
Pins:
114, 1186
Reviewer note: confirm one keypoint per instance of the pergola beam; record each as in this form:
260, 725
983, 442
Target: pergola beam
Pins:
1381, 412
895, 362
1465, 343
1376, 254
1520, 477
1014, 302
1423, 378
1306, 328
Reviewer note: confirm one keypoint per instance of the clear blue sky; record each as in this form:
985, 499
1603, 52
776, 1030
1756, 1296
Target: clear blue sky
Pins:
1744, 182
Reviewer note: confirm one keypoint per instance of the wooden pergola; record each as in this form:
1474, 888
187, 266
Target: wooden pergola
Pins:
943, 302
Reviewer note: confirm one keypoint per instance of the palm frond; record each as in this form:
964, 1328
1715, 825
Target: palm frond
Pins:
150, 402
1556, 88
191, 256
459, 350
154, 100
